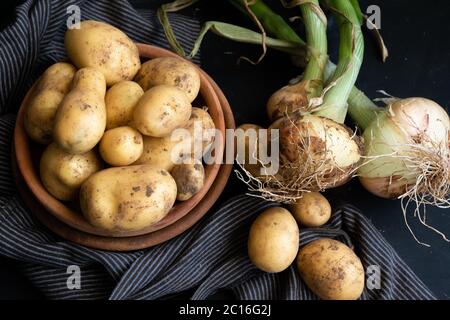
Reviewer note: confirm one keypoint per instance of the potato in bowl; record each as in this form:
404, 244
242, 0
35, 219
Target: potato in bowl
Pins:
104, 47
128, 198
28, 154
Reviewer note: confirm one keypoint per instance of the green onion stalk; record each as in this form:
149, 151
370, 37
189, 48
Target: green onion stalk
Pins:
277, 27
299, 96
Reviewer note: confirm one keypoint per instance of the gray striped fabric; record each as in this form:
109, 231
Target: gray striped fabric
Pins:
209, 257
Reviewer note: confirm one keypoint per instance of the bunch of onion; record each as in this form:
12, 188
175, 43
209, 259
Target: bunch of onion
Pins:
317, 151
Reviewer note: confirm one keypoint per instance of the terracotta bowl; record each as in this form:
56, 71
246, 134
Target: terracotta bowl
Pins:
28, 154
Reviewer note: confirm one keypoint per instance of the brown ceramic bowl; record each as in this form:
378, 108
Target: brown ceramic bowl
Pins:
28, 154
136, 242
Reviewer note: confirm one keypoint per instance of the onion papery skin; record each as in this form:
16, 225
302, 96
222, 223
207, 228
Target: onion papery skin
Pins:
319, 149
388, 188
391, 144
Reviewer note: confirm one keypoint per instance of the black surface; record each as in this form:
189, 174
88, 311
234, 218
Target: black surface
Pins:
416, 34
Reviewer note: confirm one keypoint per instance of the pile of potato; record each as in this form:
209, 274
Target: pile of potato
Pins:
328, 267
107, 121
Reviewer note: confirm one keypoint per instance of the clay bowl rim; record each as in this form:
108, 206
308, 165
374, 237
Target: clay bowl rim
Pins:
29, 168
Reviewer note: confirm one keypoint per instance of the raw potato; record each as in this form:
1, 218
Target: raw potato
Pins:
250, 144
172, 71
157, 152
104, 47
48, 93
120, 100
273, 240
190, 178
121, 146
161, 110
167, 151
127, 198
63, 173
199, 135
311, 210
81, 118
331, 270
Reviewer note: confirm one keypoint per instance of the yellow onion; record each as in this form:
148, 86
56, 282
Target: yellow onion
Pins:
407, 149
316, 153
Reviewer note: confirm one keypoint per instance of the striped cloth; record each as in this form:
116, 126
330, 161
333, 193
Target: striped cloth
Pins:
209, 257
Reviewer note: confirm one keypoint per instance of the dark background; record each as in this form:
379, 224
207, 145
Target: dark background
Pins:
416, 34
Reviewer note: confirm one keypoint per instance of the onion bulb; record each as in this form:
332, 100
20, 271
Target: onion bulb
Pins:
407, 149
290, 98
316, 153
